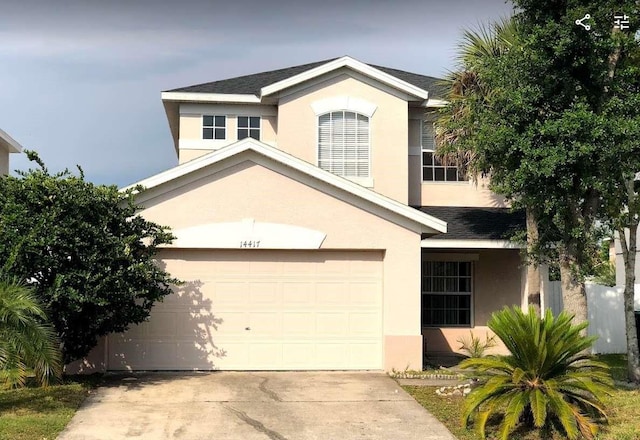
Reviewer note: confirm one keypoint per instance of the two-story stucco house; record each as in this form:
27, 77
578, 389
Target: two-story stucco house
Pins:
316, 230
8, 145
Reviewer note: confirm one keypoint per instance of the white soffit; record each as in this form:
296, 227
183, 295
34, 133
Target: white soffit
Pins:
9, 143
209, 97
443, 243
433, 224
351, 63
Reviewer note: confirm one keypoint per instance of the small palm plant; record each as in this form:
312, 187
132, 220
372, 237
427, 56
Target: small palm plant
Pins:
546, 381
27, 343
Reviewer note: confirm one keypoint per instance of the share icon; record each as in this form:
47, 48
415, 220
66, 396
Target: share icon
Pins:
580, 22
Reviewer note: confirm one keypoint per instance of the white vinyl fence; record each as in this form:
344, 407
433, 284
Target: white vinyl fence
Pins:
605, 307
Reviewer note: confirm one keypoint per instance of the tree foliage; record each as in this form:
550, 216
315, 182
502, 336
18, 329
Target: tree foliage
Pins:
27, 341
545, 382
556, 125
85, 252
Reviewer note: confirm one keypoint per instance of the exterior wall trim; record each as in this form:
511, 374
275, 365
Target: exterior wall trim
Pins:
247, 234
432, 243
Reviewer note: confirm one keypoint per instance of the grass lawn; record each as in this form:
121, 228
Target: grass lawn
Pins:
33, 413
623, 409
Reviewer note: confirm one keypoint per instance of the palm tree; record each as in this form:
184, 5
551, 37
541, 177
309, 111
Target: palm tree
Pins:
454, 136
27, 342
546, 381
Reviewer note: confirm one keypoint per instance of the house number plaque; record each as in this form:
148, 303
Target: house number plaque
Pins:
250, 243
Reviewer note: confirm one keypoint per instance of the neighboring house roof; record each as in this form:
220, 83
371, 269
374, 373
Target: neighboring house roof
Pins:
9, 143
253, 84
470, 223
428, 223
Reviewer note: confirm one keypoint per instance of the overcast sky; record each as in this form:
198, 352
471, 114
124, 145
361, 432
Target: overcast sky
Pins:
80, 80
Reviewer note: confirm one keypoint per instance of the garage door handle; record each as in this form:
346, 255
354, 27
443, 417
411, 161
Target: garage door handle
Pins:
247, 328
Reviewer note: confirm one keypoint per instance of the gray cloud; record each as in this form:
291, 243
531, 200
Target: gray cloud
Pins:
81, 80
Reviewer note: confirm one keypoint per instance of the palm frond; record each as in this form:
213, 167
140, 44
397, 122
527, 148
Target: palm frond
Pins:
26, 340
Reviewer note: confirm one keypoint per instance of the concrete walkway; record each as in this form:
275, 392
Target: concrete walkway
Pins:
262, 405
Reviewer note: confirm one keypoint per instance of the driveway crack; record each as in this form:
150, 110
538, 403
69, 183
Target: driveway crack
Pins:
256, 424
267, 391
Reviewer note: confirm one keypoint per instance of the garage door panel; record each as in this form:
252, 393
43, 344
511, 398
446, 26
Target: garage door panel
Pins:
296, 293
264, 325
163, 324
330, 325
365, 294
262, 310
265, 293
298, 324
364, 324
229, 293
232, 323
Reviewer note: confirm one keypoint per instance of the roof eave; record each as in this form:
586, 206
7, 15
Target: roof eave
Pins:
9, 143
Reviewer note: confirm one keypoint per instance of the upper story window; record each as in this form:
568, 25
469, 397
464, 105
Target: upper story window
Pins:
249, 126
214, 127
343, 143
433, 169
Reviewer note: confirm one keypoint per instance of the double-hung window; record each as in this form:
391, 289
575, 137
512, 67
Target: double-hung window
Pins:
447, 290
249, 126
214, 127
343, 143
433, 169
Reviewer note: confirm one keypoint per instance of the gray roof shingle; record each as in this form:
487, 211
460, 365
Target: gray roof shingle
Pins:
251, 84
465, 223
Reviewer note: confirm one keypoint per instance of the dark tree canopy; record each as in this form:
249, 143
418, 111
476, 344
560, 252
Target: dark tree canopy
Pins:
87, 254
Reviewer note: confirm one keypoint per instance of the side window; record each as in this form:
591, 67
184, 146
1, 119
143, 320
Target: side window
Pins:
433, 169
447, 293
214, 127
249, 126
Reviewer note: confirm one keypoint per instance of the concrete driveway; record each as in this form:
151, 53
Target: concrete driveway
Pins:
262, 405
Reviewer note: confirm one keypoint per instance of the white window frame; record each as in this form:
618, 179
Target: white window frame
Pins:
471, 293
214, 127
238, 128
364, 181
424, 148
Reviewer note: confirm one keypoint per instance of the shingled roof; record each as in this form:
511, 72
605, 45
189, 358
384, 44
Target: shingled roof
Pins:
252, 84
465, 223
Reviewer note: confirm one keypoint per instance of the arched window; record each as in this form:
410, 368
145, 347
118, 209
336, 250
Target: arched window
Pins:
343, 143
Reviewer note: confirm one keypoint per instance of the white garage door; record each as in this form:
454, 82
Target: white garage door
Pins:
261, 310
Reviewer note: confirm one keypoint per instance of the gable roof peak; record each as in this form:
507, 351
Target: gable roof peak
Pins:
265, 83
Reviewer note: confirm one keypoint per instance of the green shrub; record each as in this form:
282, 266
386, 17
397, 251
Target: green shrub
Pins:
546, 382
475, 347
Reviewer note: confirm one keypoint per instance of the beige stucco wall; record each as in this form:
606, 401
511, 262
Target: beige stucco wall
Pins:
497, 278
191, 144
4, 162
297, 128
249, 190
459, 194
